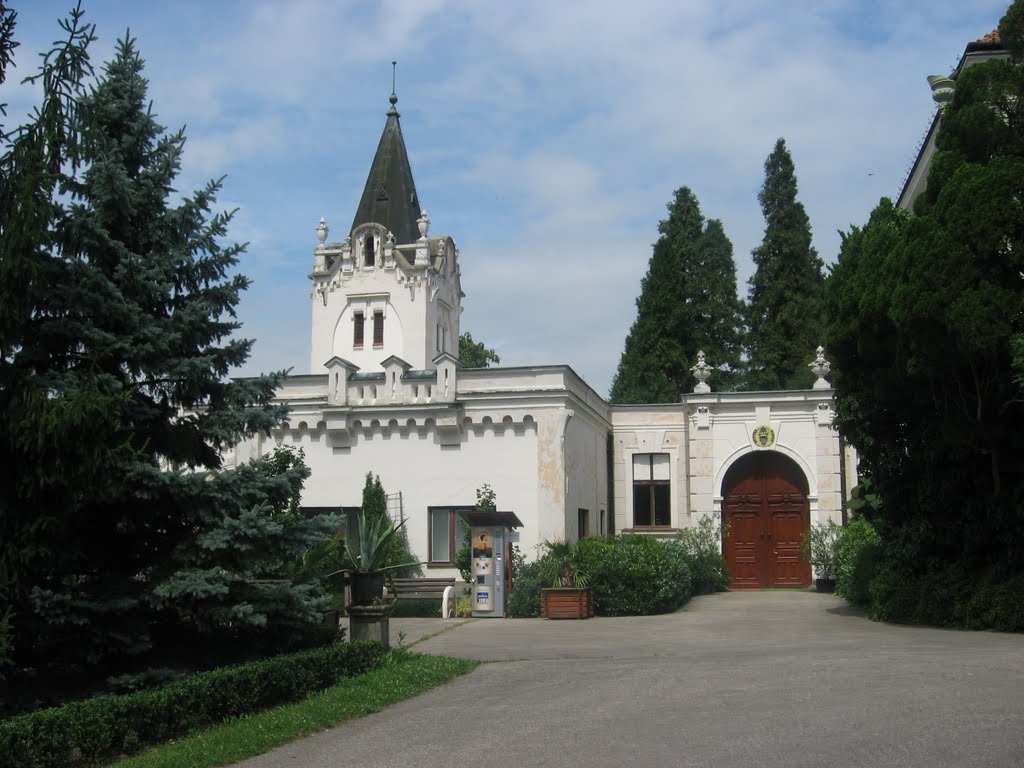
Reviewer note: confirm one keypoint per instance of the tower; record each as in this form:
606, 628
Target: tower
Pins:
389, 290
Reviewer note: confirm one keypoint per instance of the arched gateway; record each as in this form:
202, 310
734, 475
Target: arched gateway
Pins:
764, 505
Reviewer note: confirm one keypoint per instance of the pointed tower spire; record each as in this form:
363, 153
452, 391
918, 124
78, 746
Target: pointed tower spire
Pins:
389, 197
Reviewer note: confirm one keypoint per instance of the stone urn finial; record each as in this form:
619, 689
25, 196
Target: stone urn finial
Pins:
322, 230
701, 371
943, 89
820, 368
423, 222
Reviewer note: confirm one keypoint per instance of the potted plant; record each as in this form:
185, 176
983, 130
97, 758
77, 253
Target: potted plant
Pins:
366, 553
568, 597
819, 547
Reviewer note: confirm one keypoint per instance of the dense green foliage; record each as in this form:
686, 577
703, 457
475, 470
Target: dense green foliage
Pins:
390, 544
401, 676
703, 545
473, 354
857, 553
127, 546
687, 304
629, 575
87, 732
926, 316
785, 311
818, 546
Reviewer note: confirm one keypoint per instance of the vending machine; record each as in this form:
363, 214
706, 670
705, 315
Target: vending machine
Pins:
491, 537
489, 558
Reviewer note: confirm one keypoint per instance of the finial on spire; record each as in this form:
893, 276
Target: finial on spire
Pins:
393, 99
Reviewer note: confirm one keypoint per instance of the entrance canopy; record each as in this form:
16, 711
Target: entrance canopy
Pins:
507, 520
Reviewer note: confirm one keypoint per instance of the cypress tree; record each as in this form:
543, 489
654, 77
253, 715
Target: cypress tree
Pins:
375, 505
687, 303
785, 314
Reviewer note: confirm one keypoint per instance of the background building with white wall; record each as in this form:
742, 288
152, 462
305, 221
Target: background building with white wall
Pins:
386, 395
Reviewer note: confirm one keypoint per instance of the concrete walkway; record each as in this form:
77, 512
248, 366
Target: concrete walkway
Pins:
737, 679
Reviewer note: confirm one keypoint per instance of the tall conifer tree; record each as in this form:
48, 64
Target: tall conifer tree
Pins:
687, 303
785, 314
143, 545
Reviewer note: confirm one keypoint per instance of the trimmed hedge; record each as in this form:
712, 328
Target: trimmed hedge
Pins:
88, 732
639, 576
630, 575
948, 596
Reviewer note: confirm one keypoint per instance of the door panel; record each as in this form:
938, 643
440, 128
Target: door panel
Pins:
745, 547
765, 504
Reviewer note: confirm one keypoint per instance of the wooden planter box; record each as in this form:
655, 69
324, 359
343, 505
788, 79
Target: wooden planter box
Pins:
566, 603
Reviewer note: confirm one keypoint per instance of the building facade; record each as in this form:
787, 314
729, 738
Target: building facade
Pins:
385, 394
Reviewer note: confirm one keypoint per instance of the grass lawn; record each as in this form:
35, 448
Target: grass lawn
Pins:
403, 676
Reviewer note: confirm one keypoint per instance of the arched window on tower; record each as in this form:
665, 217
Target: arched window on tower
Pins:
368, 253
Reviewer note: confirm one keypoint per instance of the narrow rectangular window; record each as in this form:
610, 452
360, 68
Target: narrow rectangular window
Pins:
651, 491
357, 330
368, 254
582, 523
378, 329
447, 530
348, 527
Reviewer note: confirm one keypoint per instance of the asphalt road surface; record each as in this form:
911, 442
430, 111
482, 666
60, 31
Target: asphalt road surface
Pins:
747, 679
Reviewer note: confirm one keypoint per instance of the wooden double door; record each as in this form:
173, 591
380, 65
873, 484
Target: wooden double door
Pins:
764, 505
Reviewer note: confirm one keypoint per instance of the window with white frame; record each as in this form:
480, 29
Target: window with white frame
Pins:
651, 491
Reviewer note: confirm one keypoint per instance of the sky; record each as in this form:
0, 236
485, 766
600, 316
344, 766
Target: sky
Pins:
545, 137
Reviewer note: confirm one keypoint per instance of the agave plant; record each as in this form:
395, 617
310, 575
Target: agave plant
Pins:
369, 547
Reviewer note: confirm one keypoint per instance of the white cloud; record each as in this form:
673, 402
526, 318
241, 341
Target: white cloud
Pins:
545, 137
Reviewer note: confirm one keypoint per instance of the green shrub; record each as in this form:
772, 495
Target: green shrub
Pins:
86, 732
995, 604
639, 575
703, 545
948, 595
857, 560
528, 579
629, 576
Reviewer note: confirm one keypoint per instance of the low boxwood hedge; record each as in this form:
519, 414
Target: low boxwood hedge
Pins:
88, 732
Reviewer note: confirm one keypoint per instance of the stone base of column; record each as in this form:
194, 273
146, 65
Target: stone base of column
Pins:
369, 622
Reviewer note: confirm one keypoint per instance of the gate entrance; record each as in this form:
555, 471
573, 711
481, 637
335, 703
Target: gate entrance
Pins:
764, 504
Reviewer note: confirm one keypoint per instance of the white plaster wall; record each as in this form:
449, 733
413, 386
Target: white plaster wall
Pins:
650, 429
586, 473
500, 453
405, 320
369, 357
702, 447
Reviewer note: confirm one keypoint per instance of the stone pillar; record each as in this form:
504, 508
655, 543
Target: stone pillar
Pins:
370, 622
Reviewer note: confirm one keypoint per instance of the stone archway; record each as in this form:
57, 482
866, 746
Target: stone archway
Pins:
765, 506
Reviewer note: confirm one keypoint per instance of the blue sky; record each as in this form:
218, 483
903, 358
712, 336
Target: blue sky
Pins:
545, 137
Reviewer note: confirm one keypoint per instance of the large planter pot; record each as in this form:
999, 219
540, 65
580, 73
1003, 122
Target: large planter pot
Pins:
367, 588
825, 585
566, 603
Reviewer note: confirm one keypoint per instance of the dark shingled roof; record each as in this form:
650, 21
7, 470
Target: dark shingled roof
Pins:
389, 197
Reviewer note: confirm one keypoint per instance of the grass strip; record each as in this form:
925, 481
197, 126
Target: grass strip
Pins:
402, 676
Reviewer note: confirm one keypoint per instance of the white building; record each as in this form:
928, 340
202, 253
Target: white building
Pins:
385, 394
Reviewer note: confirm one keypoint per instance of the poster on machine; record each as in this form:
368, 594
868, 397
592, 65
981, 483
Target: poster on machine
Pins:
483, 553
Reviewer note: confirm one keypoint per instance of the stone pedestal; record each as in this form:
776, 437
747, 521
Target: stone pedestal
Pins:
369, 622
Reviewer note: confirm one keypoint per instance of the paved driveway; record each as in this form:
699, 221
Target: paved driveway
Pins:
737, 679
